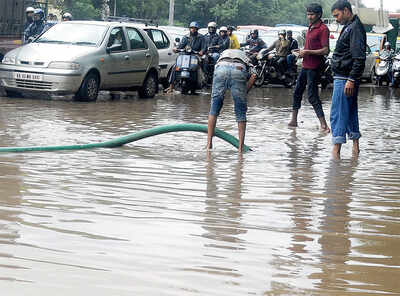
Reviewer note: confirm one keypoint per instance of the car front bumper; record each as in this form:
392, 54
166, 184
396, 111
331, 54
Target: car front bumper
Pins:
56, 81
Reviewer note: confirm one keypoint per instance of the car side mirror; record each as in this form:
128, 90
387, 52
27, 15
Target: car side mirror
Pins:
177, 40
114, 47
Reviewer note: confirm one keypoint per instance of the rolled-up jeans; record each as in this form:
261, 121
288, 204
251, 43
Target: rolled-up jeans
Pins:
344, 113
231, 76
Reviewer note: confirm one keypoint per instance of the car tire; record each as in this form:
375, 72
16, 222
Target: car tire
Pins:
89, 89
13, 94
149, 88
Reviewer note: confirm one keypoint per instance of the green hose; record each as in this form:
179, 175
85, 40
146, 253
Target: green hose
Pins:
134, 137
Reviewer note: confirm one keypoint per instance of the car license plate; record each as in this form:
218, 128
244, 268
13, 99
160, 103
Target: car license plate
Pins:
28, 76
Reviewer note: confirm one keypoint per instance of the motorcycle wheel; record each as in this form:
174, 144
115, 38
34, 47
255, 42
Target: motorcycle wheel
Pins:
259, 80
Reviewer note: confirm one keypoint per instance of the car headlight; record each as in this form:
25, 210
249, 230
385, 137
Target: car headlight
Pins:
9, 60
64, 65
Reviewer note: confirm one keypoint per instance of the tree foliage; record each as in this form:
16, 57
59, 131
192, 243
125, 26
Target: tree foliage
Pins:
224, 12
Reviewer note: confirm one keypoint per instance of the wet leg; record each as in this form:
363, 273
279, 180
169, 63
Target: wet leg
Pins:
212, 121
242, 133
336, 151
356, 148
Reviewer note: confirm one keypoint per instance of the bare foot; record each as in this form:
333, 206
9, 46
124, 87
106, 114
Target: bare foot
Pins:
292, 124
336, 151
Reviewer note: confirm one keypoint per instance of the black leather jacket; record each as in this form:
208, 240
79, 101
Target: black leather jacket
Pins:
348, 60
196, 42
255, 44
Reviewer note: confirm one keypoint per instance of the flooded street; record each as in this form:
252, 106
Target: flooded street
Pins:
161, 216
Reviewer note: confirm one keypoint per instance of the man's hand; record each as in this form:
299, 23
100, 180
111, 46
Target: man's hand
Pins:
251, 81
174, 50
303, 53
201, 53
349, 88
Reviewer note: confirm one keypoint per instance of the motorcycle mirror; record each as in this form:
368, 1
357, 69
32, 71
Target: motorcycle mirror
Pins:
177, 39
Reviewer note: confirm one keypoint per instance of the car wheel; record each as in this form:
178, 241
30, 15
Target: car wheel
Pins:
149, 88
89, 89
12, 94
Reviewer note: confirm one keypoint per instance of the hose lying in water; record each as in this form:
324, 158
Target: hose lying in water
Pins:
134, 137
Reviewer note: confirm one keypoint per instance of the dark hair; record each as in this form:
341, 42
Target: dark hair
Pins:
341, 5
314, 8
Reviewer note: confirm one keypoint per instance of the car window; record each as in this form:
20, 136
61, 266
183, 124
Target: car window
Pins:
74, 33
135, 39
117, 38
158, 39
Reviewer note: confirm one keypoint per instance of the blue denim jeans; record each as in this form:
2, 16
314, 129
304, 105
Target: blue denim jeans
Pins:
344, 113
309, 78
231, 76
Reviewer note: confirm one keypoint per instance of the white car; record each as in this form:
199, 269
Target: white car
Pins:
81, 58
164, 44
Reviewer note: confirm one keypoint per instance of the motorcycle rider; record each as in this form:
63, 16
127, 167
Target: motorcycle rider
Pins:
389, 52
293, 44
37, 27
196, 42
212, 40
67, 17
282, 50
224, 39
254, 42
234, 43
29, 17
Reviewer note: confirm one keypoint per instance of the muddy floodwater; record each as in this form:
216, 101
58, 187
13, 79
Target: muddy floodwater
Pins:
161, 216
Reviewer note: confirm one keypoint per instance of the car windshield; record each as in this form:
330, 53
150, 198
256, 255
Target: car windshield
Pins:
74, 33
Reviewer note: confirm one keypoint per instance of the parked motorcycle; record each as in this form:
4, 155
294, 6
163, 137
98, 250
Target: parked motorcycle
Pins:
396, 71
382, 68
266, 68
326, 76
188, 71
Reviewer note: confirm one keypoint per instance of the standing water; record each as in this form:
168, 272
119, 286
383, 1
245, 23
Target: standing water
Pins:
161, 216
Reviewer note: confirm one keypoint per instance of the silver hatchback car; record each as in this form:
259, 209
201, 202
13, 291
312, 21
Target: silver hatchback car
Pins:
81, 58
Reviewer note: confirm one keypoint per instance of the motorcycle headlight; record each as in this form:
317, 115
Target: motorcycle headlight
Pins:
9, 60
64, 65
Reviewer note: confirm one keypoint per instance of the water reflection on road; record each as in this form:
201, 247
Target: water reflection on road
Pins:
161, 216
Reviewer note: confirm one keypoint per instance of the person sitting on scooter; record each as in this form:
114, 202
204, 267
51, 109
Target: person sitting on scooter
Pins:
282, 50
254, 42
234, 44
387, 51
224, 39
212, 40
195, 41
293, 44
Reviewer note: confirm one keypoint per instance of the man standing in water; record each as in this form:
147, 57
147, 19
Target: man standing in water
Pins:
348, 62
232, 72
316, 46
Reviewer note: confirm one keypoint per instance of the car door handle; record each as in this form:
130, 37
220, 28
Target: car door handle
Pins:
147, 55
170, 53
126, 57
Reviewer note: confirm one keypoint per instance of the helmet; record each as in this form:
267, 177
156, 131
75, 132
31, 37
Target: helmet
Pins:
314, 8
212, 24
387, 43
29, 9
254, 31
231, 28
67, 16
224, 29
282, 32
194, 25
39, 12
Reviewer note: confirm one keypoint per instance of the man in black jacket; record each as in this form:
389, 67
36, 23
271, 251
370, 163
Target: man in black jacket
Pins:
348, 62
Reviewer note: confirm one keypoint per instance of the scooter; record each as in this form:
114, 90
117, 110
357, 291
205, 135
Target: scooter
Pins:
187, 71
396, 71
267, 70
382, 69
326, 76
